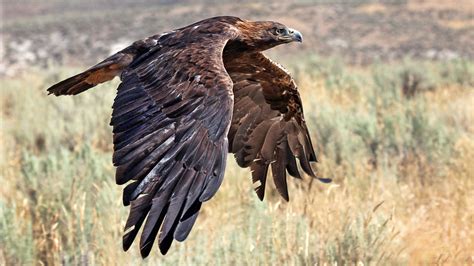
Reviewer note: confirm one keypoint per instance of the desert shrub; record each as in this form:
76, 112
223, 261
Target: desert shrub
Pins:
59, 203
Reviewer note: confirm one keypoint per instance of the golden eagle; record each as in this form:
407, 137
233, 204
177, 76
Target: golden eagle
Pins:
187, 98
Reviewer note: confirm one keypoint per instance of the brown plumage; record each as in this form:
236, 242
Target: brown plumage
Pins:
187, 98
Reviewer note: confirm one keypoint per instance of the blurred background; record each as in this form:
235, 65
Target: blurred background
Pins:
388, 91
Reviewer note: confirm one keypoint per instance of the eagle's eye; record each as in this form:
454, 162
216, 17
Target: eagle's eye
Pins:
280, 31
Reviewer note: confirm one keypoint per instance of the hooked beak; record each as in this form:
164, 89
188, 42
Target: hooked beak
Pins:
295, 35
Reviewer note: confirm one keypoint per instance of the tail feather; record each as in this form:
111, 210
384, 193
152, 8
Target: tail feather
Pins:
105, 70
100, 73
71, 86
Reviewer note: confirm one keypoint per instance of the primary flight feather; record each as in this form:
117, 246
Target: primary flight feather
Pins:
187, 98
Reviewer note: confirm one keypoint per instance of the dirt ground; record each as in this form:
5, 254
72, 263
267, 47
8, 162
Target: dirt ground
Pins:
45, 33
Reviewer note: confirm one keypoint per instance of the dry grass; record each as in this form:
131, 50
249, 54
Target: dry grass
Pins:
402, 169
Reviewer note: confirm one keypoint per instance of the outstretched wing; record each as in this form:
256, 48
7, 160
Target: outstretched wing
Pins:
170, 121
268, 127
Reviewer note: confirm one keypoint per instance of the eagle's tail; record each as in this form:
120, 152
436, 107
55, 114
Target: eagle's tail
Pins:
71, 86
105, 70
100, 73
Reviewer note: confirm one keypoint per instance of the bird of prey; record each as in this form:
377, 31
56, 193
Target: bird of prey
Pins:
188, 97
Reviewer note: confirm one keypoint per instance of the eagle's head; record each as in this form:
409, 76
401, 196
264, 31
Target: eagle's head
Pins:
263, 35
280, 33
